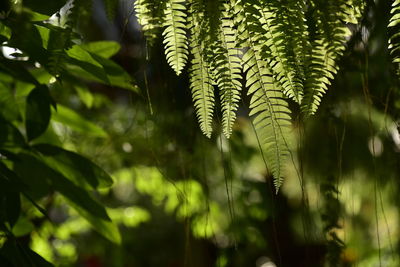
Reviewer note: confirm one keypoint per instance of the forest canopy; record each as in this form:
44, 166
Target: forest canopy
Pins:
199, 133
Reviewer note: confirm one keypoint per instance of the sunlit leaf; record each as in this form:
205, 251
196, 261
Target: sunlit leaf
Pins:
104, 49
21, 255
76, 122
82, 64
117, 76
44, 34
73, 166
34, 171
85, 95
104, 227
22, 227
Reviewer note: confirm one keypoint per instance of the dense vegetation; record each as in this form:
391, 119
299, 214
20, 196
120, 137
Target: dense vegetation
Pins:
102, 162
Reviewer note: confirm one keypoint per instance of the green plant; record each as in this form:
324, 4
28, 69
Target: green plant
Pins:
280, 56
48, 55
288, 51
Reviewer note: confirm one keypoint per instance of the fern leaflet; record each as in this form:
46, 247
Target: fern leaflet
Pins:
200, 80
228, 69
150, 16
268, 106
175, 39
328, 47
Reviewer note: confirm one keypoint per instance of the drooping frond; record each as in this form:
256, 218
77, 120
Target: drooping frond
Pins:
175, 36
328, 42
282, 39
268, 106
271, 114
200, 80
394, 40
227, 71
151, 17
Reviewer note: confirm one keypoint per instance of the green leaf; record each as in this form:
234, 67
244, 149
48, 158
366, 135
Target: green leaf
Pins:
77, 195
44, 33
104, 49
91, 66
76, 122
49, 137
82, 64
34, 171
116, 75
104, 227
84, 94
73, 166
22, 227
38, 112
93, 212
19, 255
79, 53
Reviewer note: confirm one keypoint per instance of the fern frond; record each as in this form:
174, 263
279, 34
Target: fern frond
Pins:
394, 40
175, 38
271, 114
328, 46
200, 80
268, 105
151, 17
202, 91
227, 72
280, 40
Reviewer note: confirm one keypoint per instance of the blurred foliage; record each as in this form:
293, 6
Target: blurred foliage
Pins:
97, 172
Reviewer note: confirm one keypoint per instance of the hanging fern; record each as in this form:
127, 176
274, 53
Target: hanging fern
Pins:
228, 69
200, 80
291, 49
278, 40
328, 46
151, 17
175, 36
267, 104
